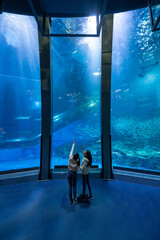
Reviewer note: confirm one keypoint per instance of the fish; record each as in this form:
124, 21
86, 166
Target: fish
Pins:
141, 75
96, 74
145, 69
74, 52
117, 154
118, 90
23, 118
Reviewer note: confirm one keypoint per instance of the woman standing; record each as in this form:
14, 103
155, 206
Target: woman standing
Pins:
85, 167
73, 166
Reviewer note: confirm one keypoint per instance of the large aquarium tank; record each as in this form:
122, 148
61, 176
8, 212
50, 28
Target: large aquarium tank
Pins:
76, 78
135, 92
20, 96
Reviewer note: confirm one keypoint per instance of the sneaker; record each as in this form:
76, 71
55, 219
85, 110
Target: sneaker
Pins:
90, 197
70, 201
74, 200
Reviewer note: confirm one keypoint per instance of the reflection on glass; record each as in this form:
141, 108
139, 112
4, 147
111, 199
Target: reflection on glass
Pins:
76, 94
135, 97
85, 25
155, 10
20, 100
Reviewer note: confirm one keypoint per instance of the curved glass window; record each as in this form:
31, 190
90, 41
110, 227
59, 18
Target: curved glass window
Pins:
135, 97
20, 99
76, 70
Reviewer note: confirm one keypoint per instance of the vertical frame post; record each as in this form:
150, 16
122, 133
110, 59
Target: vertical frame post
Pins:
107, 33
44, 51
1, 6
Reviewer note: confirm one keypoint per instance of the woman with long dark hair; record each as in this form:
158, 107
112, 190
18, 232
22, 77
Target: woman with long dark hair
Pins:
85, 167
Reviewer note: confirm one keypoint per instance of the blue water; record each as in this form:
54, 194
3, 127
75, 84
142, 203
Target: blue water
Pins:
20, 96
135, 97
76, 71
76, 77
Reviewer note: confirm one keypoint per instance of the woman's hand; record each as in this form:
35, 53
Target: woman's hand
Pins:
83, 150
73, 141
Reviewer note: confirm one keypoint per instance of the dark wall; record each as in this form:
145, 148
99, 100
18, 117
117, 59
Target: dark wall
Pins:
73, 7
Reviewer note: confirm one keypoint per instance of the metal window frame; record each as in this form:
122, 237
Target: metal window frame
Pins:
42, 28
155, 23
136, 170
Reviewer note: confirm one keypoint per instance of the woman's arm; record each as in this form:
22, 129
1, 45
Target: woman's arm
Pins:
83, 150
84, 164
72, 149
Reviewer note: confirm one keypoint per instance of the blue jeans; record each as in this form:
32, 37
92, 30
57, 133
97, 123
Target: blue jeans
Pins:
72, 181
85, 179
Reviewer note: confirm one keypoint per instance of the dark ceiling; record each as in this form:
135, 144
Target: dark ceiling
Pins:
72, 7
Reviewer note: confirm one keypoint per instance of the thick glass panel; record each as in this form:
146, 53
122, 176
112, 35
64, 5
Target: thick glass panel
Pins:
135, 92
76, 74
78, 25
20, 100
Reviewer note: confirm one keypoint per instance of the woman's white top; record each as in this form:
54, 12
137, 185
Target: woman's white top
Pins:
84, 167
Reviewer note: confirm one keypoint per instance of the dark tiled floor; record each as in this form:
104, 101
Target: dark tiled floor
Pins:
40, 210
